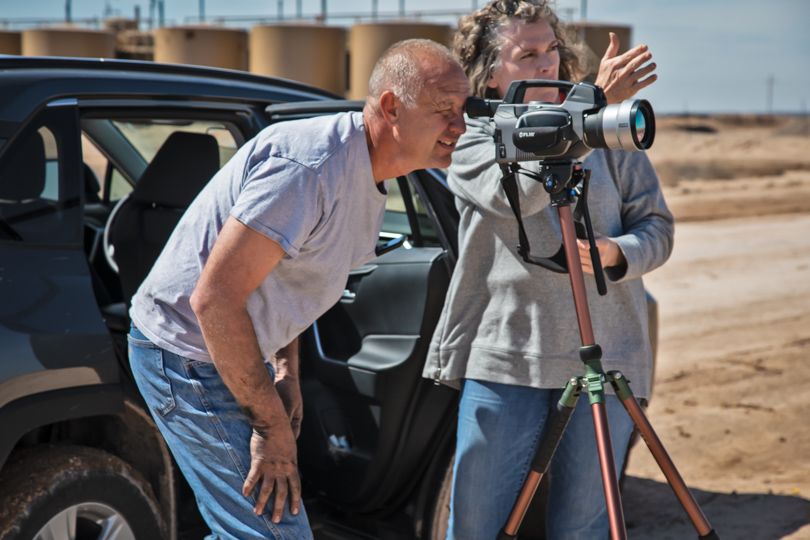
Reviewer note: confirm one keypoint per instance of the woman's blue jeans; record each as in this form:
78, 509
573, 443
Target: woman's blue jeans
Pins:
209, 437
499, 429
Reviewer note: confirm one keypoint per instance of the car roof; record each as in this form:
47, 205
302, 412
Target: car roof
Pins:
30, 82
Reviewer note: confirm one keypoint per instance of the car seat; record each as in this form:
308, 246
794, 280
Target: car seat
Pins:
141, 223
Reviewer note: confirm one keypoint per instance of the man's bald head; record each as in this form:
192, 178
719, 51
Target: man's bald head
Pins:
401, 69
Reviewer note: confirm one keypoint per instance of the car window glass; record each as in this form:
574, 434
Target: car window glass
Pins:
38, 201
119, 186
148, 136
405, 213
50, 191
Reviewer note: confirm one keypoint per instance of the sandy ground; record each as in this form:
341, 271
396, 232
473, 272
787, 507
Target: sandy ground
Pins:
731, 399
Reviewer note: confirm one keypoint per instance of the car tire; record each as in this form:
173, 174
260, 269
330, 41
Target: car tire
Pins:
63, 491
439, 510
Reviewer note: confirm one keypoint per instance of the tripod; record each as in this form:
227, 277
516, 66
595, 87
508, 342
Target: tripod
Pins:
560, 180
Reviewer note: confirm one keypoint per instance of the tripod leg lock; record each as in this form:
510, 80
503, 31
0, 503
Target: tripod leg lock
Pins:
590, 353
503, 536
620, 385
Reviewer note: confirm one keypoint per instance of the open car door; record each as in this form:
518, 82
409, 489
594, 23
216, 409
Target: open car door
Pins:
372, 424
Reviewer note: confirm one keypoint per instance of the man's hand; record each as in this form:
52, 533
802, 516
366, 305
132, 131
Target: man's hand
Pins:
610, 253
239, 261
273, 462
622, 76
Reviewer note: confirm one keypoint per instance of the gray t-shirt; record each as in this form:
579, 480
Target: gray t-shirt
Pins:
305, 184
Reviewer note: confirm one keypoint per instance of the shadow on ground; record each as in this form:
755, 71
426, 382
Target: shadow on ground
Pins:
652, 512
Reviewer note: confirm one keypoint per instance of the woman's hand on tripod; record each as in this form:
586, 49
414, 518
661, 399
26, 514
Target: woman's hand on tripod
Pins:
610, 253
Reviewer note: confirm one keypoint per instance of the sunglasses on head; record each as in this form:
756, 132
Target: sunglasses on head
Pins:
507, 7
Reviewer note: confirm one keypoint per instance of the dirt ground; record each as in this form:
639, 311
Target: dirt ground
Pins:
731, 400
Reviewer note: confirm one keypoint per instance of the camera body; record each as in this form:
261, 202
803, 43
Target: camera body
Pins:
539, 131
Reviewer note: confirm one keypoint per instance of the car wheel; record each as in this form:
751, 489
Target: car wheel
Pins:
532, 528
439, 511
78, 493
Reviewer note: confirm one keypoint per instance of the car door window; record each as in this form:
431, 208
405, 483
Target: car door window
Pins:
39, 200
148, 136
119, 149
405, 213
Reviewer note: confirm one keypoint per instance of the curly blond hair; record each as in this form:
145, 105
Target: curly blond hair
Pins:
478, 48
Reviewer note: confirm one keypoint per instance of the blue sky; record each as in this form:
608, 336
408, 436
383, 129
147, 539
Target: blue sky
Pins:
713, 56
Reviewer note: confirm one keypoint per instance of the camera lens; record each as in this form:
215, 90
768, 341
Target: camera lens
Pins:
640, 127
644, 126
629, 125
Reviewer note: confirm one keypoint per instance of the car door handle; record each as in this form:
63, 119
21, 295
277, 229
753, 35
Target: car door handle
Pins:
355, 275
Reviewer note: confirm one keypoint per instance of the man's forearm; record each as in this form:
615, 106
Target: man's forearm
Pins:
232, 344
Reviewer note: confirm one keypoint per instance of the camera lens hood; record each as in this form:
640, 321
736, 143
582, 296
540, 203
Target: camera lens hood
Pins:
629, 125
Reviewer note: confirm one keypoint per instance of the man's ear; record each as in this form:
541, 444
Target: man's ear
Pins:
390, 107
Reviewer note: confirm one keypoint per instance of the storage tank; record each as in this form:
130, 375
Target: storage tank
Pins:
210, 46
596, 37
367, 42
10, 42
67, 41
310, 53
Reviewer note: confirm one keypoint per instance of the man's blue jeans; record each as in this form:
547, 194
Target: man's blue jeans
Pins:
209, 437
499, 429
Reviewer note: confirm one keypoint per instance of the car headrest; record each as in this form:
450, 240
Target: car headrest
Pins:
23, 177
91, 185
180, 169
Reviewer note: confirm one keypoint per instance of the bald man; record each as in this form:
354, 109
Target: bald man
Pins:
263, 251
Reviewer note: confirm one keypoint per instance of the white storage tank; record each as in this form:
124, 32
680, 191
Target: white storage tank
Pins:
367, 42
310, 53
210, 46
68, 41
10, 42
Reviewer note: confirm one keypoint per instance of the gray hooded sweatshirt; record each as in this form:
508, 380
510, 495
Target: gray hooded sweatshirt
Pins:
510, 322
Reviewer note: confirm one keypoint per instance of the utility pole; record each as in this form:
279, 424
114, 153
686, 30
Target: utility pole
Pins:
202, 11
323, 11
583, 10
280, 9
401, 9
374, 5
67, 11
299, 13
769, 98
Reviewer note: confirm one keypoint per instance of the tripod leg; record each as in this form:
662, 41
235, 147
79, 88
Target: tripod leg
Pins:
542, 458
609, 476
661, 456
591, 356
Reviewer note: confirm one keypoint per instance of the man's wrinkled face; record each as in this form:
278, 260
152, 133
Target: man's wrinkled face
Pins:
427, 134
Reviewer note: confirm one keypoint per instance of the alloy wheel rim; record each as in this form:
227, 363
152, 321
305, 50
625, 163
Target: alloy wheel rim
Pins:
87, 521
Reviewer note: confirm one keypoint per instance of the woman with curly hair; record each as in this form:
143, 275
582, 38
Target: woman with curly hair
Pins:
508, 334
